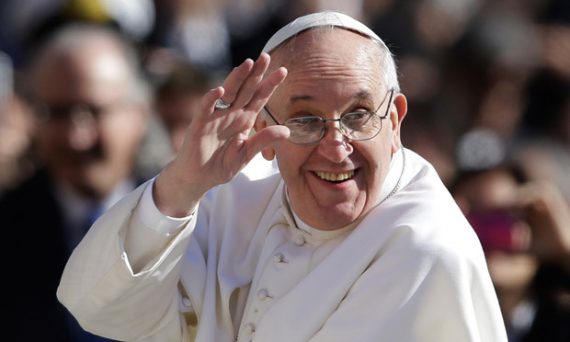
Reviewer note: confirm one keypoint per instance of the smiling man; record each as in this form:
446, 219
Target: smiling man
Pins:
355, 239
334, 172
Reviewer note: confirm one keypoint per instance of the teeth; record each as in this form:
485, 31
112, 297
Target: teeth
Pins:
334, 177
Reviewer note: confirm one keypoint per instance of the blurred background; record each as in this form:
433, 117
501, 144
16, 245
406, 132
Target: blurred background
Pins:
502, 66
488, 85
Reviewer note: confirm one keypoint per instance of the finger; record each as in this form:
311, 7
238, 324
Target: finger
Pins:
244, 120
235, 80
251, 84
266, 89
264, 138
536, 195
209, 100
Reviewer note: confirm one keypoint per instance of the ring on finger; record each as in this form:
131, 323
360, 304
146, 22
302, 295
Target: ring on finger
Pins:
221, 104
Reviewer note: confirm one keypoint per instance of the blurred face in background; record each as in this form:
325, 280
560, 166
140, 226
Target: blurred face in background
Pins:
489, 201
16, 132
90, 127
176, 111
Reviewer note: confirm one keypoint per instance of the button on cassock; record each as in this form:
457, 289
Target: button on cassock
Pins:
263, 294
279, 258
299, 239
249, 329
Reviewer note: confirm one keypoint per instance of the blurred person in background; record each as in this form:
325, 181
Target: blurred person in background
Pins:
194, 30
543, 151
524, 227
92, 108
177, 99
16, 134
27, 22
16, 130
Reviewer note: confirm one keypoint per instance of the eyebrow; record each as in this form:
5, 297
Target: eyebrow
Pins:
364, 95
297, 98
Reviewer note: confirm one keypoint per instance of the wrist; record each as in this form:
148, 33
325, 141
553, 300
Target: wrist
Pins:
176, 196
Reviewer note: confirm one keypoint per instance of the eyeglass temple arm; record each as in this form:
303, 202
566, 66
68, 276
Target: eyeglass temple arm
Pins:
271, 115
389, 104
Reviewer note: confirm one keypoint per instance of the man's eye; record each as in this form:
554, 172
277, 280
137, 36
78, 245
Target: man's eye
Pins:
304, 121
356, 118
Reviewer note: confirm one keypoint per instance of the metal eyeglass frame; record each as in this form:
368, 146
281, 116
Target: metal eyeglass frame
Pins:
341, 126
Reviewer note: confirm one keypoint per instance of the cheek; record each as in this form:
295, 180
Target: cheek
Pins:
378, 157
290, 159
50, 140
396, 143
379, 170
394, 135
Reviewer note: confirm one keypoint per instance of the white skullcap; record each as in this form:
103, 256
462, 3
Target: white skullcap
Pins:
315, 20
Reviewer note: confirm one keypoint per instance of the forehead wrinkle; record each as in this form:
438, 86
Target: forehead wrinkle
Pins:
317, 51
361, 95
315, 63
322, 66
326, 65
315, 73
310, 82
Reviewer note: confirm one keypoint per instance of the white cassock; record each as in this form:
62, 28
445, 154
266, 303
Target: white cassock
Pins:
244, 268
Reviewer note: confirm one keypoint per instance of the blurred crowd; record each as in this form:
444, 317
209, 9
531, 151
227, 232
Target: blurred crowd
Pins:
488, 85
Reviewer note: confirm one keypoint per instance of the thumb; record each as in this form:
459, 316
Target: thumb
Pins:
266, 137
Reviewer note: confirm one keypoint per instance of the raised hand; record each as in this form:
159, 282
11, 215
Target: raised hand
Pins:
218, 143
548, 215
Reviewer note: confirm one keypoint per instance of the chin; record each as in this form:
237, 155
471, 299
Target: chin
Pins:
334, 218
93, 188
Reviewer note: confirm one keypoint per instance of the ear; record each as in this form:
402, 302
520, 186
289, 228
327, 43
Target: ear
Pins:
269, 152
397, 115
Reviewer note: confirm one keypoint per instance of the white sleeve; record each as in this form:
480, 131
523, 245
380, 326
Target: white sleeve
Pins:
149, 231
105, 295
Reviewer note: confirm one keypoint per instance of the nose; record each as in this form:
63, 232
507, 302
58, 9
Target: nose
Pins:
334, 145
82, 133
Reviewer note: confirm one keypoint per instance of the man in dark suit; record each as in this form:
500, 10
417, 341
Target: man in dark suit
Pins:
92, 113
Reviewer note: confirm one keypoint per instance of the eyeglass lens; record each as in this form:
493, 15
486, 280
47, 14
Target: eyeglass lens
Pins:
355, 125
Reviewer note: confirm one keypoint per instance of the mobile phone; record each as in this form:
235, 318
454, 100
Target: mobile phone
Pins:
495, 229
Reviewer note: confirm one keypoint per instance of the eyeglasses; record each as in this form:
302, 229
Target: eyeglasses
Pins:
74, 112
361, 125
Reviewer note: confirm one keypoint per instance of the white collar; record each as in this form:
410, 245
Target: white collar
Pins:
393, 179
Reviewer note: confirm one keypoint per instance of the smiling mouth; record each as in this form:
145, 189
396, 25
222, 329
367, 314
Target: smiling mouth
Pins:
335, 177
